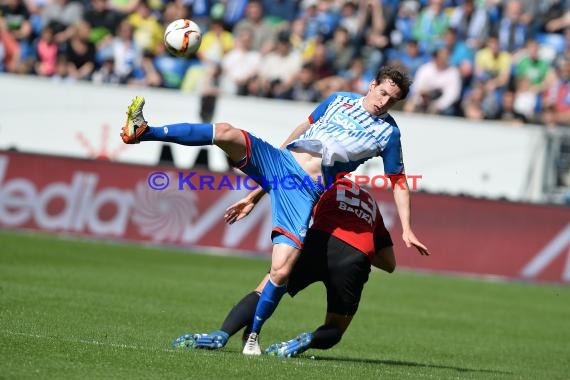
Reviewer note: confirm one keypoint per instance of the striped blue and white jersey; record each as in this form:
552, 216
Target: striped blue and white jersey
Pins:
346, 135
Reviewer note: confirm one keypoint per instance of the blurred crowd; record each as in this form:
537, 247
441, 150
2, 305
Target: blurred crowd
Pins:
479, 59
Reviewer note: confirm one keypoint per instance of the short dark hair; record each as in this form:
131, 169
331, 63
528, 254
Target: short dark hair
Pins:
397, 75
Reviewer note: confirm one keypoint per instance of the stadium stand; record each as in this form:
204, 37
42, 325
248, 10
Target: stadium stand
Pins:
512, 56
478, 59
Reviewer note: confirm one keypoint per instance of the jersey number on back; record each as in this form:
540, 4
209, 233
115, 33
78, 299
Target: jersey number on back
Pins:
348, 197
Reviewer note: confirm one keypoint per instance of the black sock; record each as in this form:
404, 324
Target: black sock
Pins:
241, 314
326, 337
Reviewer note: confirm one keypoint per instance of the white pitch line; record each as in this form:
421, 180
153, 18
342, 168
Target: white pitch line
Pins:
83, 341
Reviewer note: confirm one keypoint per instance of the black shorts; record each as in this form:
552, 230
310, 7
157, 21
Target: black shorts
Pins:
342, 268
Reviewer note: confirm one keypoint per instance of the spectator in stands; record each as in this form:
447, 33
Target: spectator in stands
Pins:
17, 21
322, 66
492, 65
146, 74
125, 7
411, 57
177, 72
216, 42
532, 67
403, 24
36, 8
357, 78
175, 10
461, 55
2, 49
508, 112
126, 54
430, 25
390, 9
302, 44
103, 21
279, 68
341, 37
437, 87
375, 40
62, 15
241, 65
530, 9
199, 10
62, 71
471, 102
303, 87
46, 53
479, 103
234, 11
349, 18
263, 31
148, 31
340, 50
106, 73
280, 11
323, 20
564, 51
471, 23
525, 99
555, 16
512, 29
9, 49
557, 98
80, 53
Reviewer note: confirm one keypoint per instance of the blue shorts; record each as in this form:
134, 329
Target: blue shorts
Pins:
293, 193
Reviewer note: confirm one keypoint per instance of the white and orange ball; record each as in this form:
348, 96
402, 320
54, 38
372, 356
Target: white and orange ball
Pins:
182, 37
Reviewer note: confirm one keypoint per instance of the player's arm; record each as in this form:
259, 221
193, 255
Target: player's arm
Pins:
243, 207
317, 113
394, 169
404, 206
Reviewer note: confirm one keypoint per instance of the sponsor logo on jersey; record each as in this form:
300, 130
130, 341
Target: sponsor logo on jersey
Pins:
345, 121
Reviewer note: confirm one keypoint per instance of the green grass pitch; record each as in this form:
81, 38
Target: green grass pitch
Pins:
79, 309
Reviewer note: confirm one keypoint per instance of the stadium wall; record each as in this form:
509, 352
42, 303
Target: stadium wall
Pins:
114, 201
453, 155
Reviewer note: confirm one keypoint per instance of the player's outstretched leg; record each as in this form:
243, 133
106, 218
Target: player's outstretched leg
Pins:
136, 129
212, 341
292, 347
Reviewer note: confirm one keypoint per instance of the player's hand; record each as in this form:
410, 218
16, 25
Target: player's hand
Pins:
411, 240
239, 210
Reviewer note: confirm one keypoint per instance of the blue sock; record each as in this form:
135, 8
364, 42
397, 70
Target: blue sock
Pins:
182, 133
268, 301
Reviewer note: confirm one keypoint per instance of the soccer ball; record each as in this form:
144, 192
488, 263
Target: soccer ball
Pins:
182, 37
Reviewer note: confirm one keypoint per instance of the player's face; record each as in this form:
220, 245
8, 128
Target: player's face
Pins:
381, 96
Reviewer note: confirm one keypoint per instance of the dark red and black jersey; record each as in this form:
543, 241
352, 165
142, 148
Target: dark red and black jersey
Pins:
351, 214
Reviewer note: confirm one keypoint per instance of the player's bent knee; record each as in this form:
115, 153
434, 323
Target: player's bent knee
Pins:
280, 275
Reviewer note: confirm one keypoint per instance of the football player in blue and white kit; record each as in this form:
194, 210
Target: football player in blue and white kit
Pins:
344, 131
